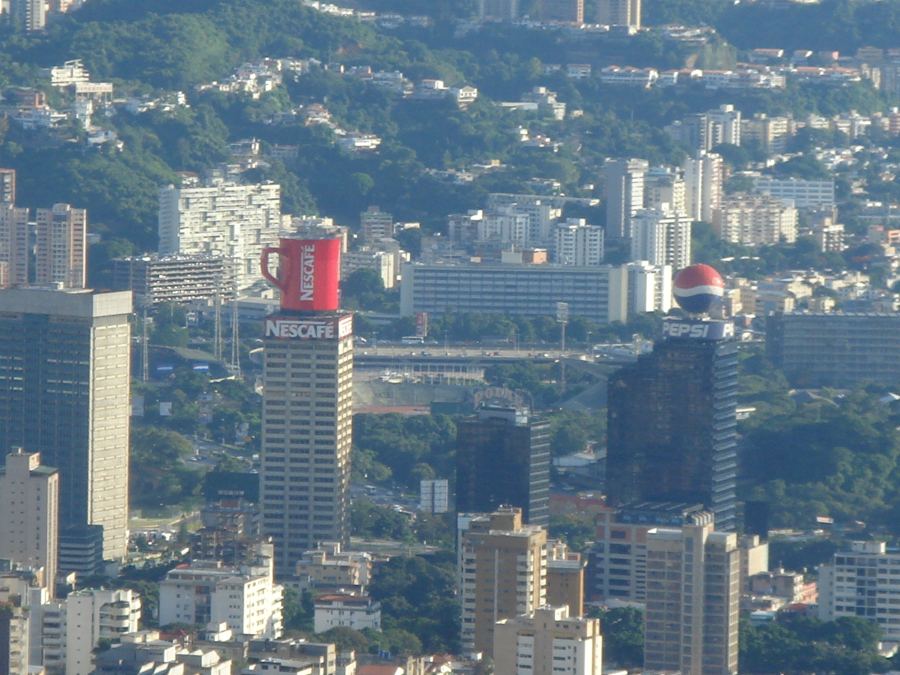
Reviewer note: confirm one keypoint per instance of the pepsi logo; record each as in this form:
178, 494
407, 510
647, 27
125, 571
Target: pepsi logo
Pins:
697, 288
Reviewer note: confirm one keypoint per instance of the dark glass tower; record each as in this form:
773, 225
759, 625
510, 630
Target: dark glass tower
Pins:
503, 459
672, 426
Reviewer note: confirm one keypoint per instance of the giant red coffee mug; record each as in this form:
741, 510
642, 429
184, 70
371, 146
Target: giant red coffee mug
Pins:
308, 273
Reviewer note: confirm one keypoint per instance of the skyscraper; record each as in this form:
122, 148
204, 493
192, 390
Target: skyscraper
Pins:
307, 415
624, 184
503, 459
29, 505
64, 389
61, 246
503, 573
625, 13
693, 592
672, 422
14, 245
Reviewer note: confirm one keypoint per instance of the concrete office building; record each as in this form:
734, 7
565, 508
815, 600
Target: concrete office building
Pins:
307, 423
65, 390
226, 220
503, 459
563, 11
595, 293
755, 220
60, 251
157, 279
693, 595
578, 243
29, 505
863, 582
661, 237
619, 13
548, 642
623, 181
686, 449
835, 350
376, 224
704, 177
503, 574
15, 245
649, 287
244, 597
796, 192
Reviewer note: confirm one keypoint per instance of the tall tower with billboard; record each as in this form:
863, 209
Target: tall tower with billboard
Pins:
672, 415
307, 403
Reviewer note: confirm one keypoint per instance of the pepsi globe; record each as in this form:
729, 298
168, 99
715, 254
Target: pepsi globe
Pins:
697, 288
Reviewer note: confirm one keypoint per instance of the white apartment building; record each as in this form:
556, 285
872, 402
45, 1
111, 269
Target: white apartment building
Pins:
829, 236
245, 598
649, 287
541, 214
755, 220
232, 221
723, 126
703, 180
72, 628
797, 192
327, 566
664, 188
661, 237
548, 642
344, 610
578, 243
863, 582
29, 505
383, 263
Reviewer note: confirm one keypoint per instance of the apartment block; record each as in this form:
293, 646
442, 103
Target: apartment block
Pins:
692, 607
226, 220
548, 642
328, 568
704, 176
345, 610
376, 224
60, 251
15, 245
619, 13
661, 237
649, 287
623, 181
503, 574
863, 582
796, 192
29, 505
755, 220
565, 578
244, 597
7, 186
578, 243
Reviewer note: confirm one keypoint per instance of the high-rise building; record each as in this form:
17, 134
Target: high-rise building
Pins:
60, 252
565, 11
672, 422
565, 578
664, 189
624, 184
234, 222
28, 15
7, 186
834, 349
307, 416
578, 243
503, 574
178, 278
376, 224
29, 506
14, 633
15, 252
626, 13
649, 288
498, 10
64, 389
863, 582
548, 642
661, 237
703, 181
503, 459
693, 594
755, 220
